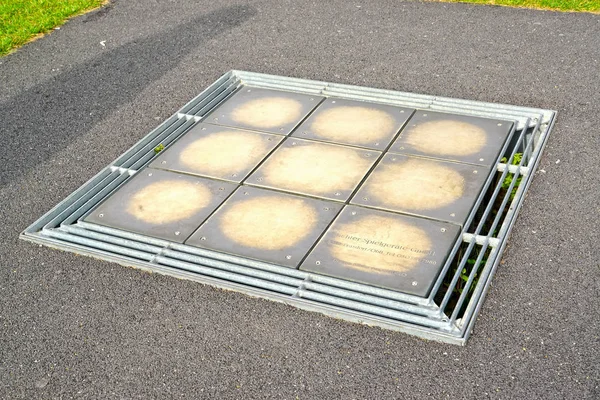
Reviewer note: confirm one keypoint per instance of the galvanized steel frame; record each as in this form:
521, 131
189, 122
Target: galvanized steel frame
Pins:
63, 227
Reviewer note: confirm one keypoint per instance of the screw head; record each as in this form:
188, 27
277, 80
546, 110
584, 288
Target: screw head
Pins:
150, 174
353, 213
318, 262
481, 159
203, 238
333, 101
475, 171
288, 257
453, 215
101, 215
415, 283
177, 233
443, 229
499, 124
424, 115
338, 194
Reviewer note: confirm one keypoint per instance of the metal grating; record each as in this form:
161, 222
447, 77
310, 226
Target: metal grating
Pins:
446, 314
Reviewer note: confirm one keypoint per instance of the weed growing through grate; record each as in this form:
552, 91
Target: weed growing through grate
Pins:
159, 148
461, 284
509, 178
496, 208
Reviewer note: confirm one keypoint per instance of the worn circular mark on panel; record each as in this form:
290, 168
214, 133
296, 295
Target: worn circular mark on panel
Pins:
268, 222
223, 153
351, 124
416, 185
268, 112
315, 168
447, 138
168, 201
380, 244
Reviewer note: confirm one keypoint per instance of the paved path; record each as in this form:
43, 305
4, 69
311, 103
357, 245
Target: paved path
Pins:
74, 327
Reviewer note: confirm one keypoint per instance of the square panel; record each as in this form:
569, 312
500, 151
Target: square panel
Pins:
264, 110
436, 189
217, 152
354, 123
453, 137
383, 249
266, 225
314, 168
161, 204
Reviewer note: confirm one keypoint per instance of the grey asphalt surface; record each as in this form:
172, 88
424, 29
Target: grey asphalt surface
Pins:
75, 327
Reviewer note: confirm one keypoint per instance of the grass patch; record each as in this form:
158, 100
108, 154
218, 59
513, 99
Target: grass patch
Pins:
23, 20
558, 5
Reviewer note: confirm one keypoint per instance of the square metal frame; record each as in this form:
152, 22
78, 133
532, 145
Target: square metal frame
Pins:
63, 228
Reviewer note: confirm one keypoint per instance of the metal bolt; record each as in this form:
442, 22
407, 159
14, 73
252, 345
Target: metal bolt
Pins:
424, 115
443, 229
288, 257
164, 162
394, 159
365, 198
101, 215
305, 133
311, 99
333, 101
259, 179
338, 194
150, 174
415, 283
401, 111
453, 215
377, 144
499, 124
318, 262
246, 193
475, 171
203, 238
326, 208
249, 90
481, 159
203, 129
234, 175
280, 129
216, 119
353, 212
293, 143
177, 233
221, 188
401, 148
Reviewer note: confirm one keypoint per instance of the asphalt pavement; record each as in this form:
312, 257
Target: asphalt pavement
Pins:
71, 102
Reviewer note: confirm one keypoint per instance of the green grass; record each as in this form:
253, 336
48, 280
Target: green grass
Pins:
22, 20
560, 5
